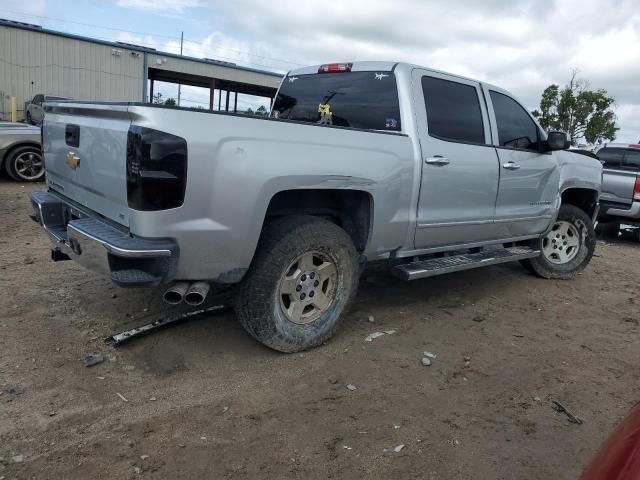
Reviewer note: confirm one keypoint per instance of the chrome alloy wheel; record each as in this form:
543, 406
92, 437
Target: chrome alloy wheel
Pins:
562, 243
28, 166
308, 287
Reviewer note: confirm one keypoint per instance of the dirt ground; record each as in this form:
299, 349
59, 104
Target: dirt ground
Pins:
203, 400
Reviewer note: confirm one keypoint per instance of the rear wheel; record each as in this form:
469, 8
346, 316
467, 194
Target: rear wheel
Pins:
25, 164
302, 279
567, 248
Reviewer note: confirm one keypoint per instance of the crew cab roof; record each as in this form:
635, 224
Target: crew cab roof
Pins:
384, 66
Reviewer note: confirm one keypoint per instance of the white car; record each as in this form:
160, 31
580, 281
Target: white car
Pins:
35, 112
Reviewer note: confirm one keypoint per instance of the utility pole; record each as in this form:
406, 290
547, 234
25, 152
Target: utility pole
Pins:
181, 42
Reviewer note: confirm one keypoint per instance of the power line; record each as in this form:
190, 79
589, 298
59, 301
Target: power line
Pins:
245, 52
64, 67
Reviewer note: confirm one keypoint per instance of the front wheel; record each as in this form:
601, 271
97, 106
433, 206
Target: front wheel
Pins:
567, 248
302, 279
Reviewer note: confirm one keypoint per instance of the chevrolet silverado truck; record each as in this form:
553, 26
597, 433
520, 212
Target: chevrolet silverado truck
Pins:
620, 198
357, 162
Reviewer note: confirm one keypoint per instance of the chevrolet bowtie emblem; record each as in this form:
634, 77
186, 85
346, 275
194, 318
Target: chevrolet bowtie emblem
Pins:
72, 160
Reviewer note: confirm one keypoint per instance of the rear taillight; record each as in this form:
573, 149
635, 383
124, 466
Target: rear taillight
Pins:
636, 190
335, 67
156, 169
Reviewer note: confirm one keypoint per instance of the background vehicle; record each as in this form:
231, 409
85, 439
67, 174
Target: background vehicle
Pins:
367, 161
20, 155
35, 112
620, 198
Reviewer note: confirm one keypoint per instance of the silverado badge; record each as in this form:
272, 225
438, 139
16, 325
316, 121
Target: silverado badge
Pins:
72, 160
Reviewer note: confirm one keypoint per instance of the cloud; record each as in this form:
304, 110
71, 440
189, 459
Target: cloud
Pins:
160, 6
520, 45
22, 11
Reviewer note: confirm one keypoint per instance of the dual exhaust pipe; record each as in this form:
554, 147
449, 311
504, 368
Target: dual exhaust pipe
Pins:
193, 294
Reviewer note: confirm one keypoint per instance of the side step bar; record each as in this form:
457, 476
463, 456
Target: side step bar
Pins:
456, 263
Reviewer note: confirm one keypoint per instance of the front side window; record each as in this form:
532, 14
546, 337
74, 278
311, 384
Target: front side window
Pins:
516, 129
611, 157
453, 111
367, 100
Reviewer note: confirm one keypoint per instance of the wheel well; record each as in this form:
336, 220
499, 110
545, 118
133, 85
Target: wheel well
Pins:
583, 198
350, 209
13, 147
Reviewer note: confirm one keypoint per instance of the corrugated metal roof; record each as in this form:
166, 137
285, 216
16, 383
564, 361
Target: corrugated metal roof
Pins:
209, 61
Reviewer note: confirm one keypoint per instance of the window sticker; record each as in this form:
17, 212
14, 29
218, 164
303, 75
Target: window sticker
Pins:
325, 114
380, 76
390, 123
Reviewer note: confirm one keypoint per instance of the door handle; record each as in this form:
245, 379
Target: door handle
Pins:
437, 160
511, 165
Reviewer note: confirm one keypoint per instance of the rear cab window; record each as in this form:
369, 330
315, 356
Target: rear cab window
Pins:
364, 100
611, 157
631, 160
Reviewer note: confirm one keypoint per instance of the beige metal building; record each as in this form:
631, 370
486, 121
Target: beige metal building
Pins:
34, 60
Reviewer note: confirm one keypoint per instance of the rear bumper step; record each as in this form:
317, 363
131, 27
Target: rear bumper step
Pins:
98, 246
456, 263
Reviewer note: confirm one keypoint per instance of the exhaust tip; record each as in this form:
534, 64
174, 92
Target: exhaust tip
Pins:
196, 294
193, 299
175, 293
172, 298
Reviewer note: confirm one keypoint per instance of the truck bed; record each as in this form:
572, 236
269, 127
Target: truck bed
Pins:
226, 153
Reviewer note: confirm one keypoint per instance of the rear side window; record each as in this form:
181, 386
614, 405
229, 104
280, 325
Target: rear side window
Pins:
611, 157
367, 100
453, 111
632, 159
516, 129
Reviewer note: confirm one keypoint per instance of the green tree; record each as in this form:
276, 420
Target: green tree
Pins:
170, 102
577, 110
262, 110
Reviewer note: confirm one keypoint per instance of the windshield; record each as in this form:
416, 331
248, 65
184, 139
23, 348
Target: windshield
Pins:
367, 100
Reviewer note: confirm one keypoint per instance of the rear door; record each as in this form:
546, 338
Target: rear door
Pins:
459, 164
85, 151
529, 179
618, 176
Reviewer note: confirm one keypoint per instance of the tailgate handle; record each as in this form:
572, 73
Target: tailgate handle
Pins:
72, 135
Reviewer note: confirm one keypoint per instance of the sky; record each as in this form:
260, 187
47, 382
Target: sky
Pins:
520, 45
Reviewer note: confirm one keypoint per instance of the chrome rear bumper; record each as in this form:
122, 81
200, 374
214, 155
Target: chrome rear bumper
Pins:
102, 247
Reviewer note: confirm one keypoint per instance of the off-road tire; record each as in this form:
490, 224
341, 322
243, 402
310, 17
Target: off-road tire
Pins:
258, 304
12, 157
544, 268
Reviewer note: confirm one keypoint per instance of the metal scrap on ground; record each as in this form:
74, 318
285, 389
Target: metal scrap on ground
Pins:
562, 409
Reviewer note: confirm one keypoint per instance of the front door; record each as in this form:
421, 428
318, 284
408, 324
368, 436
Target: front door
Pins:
459, 165
529, 179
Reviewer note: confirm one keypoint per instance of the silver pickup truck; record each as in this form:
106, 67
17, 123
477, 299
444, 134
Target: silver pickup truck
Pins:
620, 199
358, 162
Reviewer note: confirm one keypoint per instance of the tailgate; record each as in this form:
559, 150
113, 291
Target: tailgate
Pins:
617, 186
84, 148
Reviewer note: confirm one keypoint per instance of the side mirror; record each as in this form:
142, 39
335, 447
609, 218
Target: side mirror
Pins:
557, 141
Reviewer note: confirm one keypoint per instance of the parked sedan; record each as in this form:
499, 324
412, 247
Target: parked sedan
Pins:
20, 154
35, 112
